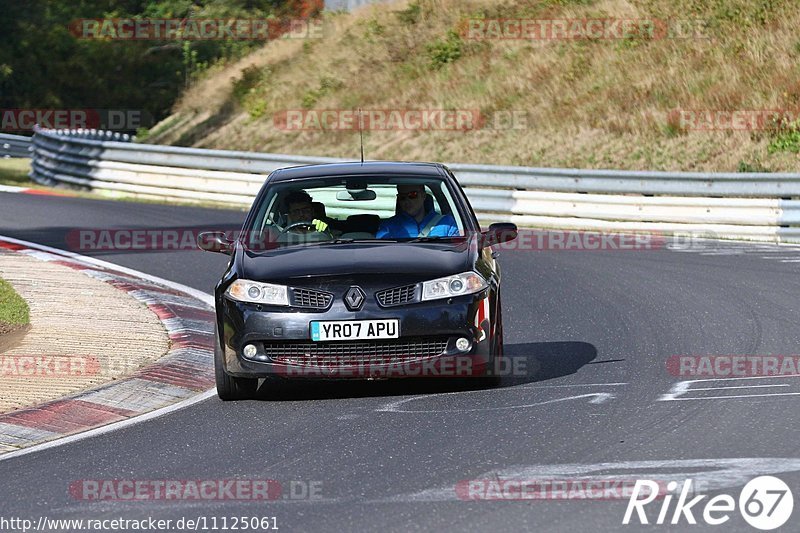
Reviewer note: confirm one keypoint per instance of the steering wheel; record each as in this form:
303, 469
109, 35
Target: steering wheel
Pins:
308, 226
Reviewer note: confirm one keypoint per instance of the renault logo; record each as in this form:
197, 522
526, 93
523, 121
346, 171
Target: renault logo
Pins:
354, 298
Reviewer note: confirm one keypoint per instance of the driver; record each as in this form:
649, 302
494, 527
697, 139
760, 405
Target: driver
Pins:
301, 209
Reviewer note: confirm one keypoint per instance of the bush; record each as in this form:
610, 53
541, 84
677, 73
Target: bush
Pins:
447, 50
326, 85
373, 29
251, 76
673, 126
786, 139
410, 15
756, 166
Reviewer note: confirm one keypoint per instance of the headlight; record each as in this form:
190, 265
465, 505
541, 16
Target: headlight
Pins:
258, 293
458, 285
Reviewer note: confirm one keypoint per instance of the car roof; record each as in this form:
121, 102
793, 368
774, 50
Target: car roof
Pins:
436, 170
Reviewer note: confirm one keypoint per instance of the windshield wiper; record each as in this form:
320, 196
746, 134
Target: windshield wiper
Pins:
436, 239
333, 241
348, 241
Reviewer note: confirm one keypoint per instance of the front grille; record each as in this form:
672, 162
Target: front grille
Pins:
311, 298
397, 296
356, 352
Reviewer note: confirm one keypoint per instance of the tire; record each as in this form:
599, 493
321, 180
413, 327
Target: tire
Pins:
230, 388
498, 346
496, 350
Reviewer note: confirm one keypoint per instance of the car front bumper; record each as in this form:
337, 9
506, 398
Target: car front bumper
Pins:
424, 328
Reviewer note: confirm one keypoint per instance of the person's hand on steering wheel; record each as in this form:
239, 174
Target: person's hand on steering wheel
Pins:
315, 225
319, 225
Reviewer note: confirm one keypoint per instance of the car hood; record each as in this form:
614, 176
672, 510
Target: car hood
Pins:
426, 260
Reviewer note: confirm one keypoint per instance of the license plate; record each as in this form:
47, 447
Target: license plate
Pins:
341, 330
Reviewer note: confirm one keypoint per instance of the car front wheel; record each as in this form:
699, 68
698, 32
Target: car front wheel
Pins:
229, 387
492, 380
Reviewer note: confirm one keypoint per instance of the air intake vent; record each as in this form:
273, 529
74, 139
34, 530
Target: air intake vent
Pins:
355, 353
397, 296
311, 299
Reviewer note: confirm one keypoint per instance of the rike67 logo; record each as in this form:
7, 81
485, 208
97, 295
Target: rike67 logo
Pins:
765, 503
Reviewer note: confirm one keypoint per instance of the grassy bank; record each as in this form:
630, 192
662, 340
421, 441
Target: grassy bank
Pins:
13, 309
591, 103
14, 171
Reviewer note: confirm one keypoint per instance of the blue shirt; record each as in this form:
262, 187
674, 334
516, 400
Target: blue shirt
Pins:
405, 226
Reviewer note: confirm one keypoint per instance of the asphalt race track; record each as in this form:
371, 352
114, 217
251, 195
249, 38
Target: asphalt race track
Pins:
598, 327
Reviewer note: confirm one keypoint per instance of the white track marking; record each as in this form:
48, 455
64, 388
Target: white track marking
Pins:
735, 396
707, 475
741, 387
576, 385
395, 407
207, 298
682, 387
11, 188
778, 252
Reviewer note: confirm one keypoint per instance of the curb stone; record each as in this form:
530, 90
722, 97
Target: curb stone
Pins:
185, 371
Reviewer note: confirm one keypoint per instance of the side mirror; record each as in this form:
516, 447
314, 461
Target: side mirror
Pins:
498, 234
214, 241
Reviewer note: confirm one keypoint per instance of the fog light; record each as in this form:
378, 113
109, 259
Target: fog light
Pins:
462, 344
249, 351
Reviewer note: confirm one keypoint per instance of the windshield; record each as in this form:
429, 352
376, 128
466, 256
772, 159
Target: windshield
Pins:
338, 210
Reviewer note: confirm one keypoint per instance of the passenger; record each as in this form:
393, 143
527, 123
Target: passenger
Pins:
413, 221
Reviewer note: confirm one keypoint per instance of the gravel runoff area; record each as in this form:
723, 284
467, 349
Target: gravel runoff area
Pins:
82, 333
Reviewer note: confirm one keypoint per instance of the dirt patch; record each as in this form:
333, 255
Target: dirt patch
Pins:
11, 335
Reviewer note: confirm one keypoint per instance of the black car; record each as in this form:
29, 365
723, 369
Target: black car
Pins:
357, 270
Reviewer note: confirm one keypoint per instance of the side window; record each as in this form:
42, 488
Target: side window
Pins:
451, 207
269, 212
431, 193
261, 216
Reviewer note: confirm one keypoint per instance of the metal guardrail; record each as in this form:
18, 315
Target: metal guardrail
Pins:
732, 205
15, 146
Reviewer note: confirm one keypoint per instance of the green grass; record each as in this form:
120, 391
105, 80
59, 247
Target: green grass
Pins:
786, 139
13, 309
15, 172
586, 101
